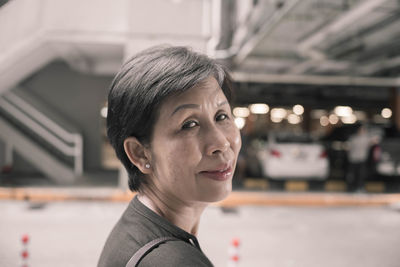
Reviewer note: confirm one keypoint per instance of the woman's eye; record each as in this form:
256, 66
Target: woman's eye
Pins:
221, 117
189, 125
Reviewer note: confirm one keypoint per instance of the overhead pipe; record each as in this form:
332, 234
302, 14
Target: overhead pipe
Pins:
376, 66
265, 29
316, 57
342, 22
240, 51
315, 80
219, 12
225, 53
215, 27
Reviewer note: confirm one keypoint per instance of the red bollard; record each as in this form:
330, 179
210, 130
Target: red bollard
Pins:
234, 253
25, 253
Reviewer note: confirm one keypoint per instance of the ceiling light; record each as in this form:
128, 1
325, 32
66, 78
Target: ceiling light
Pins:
324, 121
298, 109
349, 119
343, 111
386, 113
278, 113
333, 119
259, 108
294, 119
241, 112
240, 122
276, 119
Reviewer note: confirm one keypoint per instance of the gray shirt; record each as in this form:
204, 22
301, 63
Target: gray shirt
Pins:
140, 225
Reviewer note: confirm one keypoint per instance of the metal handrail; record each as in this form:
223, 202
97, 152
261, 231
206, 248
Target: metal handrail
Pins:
40, 117
50, 131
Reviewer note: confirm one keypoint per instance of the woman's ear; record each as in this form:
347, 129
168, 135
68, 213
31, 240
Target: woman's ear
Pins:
135, 151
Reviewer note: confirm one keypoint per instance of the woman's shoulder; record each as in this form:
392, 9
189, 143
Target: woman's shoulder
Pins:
135, 229
175, 253
131, 232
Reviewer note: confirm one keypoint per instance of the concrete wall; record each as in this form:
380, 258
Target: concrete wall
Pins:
77, 98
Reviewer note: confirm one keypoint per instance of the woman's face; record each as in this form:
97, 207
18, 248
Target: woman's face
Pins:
195, 145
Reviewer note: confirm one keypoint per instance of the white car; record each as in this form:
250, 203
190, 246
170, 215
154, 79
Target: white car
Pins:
293, 157
386, 156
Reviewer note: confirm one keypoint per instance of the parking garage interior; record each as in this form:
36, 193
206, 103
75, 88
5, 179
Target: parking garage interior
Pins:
307, 75
299, 62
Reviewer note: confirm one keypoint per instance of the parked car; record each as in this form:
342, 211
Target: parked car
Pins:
386, 154
290, 156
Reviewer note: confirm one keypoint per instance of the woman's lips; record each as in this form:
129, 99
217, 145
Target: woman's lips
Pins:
218, 175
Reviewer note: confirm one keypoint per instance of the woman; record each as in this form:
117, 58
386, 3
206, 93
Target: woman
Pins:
170, 123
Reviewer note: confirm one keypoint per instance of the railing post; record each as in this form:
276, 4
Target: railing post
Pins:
78, 155
7, 164
9, 155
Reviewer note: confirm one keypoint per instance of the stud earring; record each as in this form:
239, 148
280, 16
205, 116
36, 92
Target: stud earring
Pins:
147, 166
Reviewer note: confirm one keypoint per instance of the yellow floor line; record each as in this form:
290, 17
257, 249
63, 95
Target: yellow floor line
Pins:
296, 186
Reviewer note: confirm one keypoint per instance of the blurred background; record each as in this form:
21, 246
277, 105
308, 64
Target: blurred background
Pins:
308, 76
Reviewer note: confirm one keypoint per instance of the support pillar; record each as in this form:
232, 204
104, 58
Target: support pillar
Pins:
7, 162
307, 119
395, 107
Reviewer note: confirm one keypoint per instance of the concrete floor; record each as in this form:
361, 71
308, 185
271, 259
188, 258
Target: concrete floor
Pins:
73, 233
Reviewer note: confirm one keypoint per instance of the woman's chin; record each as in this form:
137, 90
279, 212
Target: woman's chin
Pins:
217, 194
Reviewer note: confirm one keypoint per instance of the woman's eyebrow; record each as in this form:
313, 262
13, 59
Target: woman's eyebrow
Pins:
193, 106
223, 103
185, 106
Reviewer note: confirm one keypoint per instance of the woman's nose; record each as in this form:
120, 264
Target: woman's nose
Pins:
217, 141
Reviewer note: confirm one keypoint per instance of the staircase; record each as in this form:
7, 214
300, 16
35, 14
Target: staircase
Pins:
42, 141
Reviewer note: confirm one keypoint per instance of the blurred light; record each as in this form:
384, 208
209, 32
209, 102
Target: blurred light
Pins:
324, 121
349, 119
386, 113
298, 109
259, 108
294, 119
333, 119
240, 122
278, 113
343, 111
103, 112
276, 119
241, 112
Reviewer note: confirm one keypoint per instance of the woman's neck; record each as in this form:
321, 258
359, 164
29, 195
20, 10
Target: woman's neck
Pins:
184, 215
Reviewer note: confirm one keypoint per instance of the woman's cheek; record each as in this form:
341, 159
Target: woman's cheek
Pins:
235, 138
184, 148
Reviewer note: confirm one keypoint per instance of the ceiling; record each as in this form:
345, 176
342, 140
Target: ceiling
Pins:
317, 51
